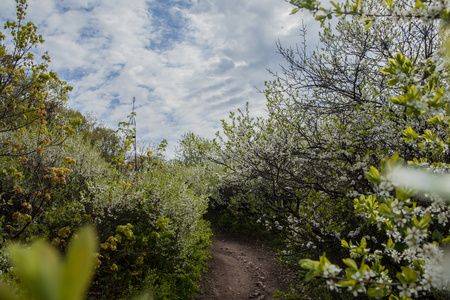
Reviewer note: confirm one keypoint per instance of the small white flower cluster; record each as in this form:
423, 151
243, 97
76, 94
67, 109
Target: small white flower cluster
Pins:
331, 270
409, 290
434, 276
375, 256
405, 223
354, 233
418, 249
385, 187
414, 236
310, 245
332, 285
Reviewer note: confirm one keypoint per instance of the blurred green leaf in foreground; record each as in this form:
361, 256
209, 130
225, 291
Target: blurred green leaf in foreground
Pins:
50, 277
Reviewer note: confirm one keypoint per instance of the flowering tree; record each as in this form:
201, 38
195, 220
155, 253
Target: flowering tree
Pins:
333, 116
329, 120
415, 223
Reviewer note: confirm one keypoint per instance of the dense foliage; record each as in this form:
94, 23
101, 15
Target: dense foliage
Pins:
317, 172
60, 170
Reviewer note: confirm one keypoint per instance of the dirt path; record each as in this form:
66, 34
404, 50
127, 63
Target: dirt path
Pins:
242, 269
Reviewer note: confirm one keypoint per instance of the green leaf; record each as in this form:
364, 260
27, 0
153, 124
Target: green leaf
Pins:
335, 5
363, 243
429, 135
384, 209
367, 27
311, 274
407, 275
410, 134
47, 276
446, 240
404, 194
344, 244
79, 265
418, 264
400, 58
425, 222
390, 244
39, 267
393, 81
306, 264
400, 100
437, 235
388, 70
389, 3
377, 291
444, 14
323, 260
320, 17
346, 283
373, 175
351, 263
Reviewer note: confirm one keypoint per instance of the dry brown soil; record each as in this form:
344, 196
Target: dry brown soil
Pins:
241, 268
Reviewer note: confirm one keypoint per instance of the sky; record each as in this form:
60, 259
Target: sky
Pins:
188, 63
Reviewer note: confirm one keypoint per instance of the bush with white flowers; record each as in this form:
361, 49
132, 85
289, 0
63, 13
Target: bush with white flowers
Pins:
320, 170
415, 222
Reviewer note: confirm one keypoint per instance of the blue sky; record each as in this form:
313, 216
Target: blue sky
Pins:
187, 62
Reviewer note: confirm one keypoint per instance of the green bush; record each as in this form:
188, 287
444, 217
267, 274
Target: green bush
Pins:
58, 173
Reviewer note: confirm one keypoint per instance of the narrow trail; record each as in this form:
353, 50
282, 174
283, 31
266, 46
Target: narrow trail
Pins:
242, 269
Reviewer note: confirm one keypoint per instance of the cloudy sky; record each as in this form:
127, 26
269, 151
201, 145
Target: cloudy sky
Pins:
187, 62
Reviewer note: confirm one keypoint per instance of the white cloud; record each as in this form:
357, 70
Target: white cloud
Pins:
188, 63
